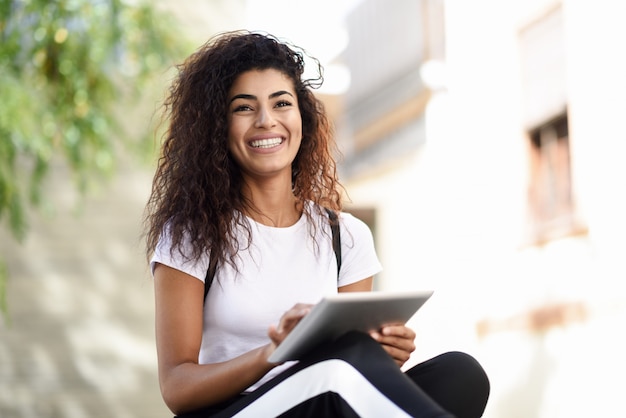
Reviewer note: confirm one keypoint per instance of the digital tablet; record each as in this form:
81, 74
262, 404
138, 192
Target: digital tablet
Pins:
350, 311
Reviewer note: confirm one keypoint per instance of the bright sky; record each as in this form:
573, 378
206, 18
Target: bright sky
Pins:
315, 25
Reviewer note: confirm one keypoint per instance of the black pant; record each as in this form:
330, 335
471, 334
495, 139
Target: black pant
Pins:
364, 378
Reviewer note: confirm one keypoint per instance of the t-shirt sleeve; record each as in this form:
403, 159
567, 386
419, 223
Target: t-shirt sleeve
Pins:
358, 254
175, 259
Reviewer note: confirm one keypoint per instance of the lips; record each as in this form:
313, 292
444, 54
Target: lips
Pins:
266, 143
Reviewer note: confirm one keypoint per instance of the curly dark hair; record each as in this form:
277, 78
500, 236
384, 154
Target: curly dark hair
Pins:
196, 191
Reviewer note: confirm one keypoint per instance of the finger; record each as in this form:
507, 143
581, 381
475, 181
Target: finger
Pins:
291, 318
398, 355
401, 331
400, 344
399, 349
403, 343
274, 335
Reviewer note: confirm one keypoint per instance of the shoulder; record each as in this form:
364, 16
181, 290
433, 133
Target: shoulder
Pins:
353, 226
350, 221
178, 257
359, 256
349, 224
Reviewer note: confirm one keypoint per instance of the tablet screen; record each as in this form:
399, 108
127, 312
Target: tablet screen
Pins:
350, 311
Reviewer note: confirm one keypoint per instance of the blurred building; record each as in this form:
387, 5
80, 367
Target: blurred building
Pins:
483, 144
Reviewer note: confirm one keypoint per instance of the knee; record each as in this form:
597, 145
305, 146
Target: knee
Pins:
468, 370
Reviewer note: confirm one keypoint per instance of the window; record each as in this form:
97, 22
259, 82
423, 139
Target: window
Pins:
551, 202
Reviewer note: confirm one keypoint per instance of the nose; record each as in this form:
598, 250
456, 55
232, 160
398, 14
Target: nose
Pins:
264, 118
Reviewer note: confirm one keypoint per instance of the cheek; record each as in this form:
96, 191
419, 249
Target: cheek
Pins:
234, 150
297, 123
234, 135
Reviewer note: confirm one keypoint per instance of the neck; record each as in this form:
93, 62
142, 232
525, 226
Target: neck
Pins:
271, 203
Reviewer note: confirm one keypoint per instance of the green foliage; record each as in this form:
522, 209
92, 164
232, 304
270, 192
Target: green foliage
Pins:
65, 65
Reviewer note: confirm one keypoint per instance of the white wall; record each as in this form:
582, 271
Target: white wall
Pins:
452, 216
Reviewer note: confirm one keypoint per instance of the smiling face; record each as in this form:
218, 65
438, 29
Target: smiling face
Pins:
264, 123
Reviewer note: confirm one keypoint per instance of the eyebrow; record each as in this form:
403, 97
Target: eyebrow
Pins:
253, 97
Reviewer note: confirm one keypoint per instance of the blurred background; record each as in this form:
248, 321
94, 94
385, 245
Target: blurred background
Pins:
482, 142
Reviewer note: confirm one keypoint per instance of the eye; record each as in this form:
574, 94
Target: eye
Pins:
283, 103
242, 108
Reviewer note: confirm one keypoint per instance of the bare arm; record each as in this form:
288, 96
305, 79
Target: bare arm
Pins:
186, 385
364, 285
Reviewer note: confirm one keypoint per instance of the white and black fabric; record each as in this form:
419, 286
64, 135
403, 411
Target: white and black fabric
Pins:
354, 377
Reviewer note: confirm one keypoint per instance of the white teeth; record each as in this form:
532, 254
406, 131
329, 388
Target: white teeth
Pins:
266, 143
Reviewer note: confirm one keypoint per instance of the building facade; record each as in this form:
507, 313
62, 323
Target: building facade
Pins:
483, 143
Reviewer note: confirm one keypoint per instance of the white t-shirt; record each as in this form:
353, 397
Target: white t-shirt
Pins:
282, 267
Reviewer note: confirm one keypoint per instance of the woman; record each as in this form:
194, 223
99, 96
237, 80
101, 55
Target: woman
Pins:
243, 185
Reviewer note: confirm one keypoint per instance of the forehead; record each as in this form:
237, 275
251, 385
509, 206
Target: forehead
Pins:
260, 81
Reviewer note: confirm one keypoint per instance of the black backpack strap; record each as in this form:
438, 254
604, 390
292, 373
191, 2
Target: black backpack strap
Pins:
210, 274
334, 226
336, 236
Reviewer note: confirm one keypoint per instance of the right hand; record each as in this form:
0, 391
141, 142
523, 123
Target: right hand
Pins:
287, 322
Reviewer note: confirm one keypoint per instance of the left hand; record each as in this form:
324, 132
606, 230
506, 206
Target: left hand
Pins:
397, 340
